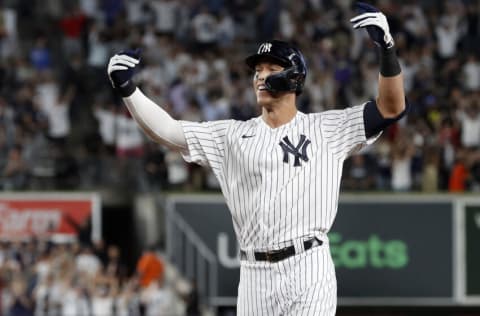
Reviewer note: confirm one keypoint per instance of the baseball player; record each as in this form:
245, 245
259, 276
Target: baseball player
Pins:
279, 172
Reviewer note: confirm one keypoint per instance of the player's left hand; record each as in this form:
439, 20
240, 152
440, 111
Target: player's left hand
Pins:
376, 24
121, 67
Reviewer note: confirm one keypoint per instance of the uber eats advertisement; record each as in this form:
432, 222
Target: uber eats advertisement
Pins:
397, 249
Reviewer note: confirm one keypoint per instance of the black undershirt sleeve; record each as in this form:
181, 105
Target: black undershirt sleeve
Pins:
374, 121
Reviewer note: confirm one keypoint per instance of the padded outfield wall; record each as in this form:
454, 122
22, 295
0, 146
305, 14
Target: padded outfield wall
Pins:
403, 250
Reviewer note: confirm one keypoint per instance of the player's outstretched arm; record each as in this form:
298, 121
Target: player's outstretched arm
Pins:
153, 120
391, 95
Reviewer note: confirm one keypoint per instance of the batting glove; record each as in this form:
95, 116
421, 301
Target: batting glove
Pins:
121, 69
376, 24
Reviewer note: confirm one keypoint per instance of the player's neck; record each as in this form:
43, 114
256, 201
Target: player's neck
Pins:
279, 114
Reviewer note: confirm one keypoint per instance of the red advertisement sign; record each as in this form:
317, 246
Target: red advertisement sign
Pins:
37, 215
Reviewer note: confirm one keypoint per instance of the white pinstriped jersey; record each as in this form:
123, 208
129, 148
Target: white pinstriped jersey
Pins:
280, 184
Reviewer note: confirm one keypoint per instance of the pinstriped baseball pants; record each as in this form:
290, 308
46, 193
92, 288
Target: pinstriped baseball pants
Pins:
303, 284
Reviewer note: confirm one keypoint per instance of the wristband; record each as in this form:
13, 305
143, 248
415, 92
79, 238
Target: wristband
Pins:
126, 89
389, 65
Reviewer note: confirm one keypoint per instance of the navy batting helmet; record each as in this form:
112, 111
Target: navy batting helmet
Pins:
289, 80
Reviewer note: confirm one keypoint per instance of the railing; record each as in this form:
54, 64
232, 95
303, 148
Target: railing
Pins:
186, 251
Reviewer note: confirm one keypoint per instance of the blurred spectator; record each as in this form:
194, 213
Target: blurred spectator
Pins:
158, 299
114, 267
100, 250
104, 290
8, 32
402, 153
150, 267
86, 262
267, 18
470, 126
75, 299
40, 55
430, 177
225, 29
106, 118
98, 52
358, 175
129, 139
471, 73
15, 172
448, 35
66, 168
130, 150
111, 10
43, 293
72, 25
7, 123
21, 304
204, 27
58, 118
155, 167
177, 170
166, 12
459, 174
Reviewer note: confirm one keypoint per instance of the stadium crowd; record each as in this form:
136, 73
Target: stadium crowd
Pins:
63, 127
39, 277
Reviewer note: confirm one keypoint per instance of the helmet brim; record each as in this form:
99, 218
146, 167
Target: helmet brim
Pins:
255, 59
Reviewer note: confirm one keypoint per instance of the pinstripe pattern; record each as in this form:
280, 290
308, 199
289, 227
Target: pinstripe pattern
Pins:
274, 203
301, 285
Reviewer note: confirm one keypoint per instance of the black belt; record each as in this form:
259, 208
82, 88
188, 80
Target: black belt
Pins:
281, 254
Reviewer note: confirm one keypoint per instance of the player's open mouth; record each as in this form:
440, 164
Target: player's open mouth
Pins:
262, 87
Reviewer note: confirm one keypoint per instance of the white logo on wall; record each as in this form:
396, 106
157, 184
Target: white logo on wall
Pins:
264, 48
224, 257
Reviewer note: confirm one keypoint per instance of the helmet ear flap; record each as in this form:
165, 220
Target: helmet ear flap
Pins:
299, 71
291, 79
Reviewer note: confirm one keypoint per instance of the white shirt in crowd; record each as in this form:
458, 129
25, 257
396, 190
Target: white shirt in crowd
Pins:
42, 269
47, 93
87, 263
470, 129
165, 15
56, 110
401, 175
58, 119
73, 304
8, 18
128, 134
102, 306
448, 36
159, 301
471, 72
106, 125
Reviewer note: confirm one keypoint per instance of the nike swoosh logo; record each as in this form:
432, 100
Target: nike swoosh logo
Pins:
247, 136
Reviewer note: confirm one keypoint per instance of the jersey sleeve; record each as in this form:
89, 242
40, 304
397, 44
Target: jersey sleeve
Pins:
205, 142
344, 130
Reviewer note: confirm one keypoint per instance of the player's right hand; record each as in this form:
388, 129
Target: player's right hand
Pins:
121, 67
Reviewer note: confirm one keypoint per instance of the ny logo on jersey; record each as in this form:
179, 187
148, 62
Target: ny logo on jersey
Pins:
299, 151
264, 48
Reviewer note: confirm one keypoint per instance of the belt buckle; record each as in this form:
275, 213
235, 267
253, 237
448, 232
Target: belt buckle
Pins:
268, 255
271, 256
